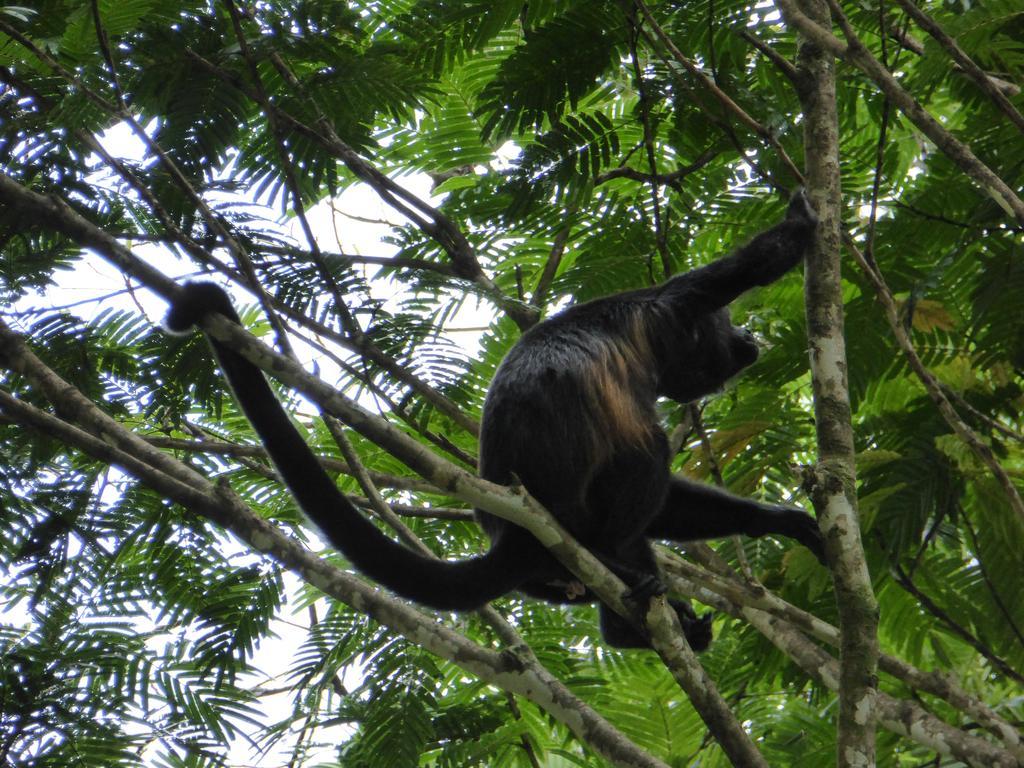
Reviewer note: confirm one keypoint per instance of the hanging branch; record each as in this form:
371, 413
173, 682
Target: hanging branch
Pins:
833, 485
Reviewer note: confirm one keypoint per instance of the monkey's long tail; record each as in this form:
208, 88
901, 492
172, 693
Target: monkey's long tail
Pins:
446, 585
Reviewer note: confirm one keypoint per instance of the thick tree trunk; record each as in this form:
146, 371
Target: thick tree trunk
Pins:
834, 491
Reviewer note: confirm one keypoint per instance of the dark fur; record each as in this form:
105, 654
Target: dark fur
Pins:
570, 413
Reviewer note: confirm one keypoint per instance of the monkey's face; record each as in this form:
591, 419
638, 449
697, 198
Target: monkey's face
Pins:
712, 351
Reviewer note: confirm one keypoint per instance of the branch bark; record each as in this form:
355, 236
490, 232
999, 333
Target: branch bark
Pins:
834, 487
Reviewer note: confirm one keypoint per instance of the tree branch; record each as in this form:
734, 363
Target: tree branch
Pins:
906, 718
965, 62
514, 669
430, 220
42, 209
834, 487
660, 221
903, 717
723, 98
857, 54
671, 178
781, 62
931, 384
728, 594
236, 450
345, 318
905, 581
547, 276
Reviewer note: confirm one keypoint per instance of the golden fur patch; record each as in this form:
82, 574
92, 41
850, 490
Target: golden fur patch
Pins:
622, 409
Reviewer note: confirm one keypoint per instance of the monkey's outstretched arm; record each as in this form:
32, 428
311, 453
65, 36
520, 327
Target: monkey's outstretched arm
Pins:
763, 260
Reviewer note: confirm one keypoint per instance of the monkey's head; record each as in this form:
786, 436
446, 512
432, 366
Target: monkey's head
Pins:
708, 352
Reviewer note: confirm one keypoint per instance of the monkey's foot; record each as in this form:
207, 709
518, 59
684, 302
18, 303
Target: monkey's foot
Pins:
697, 630
647, 586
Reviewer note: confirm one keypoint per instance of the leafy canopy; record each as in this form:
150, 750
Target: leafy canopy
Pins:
131, 623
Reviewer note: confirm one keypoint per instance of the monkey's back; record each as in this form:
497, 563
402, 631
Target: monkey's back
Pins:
571, 392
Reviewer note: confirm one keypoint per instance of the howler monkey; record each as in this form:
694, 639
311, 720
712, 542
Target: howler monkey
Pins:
571, 415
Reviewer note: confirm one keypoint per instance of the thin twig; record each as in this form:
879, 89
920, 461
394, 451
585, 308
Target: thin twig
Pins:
885, 297
554, 260
697, 420
660, 226
671, 178
731, 106
996, 597
944, 618
784, 65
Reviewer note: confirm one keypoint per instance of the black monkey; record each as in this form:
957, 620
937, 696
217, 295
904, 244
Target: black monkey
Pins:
570, 414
